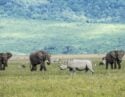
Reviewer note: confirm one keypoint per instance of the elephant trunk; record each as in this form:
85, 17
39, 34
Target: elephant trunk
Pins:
49, 60
5, 63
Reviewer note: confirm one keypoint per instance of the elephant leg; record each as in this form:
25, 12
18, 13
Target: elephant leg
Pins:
119, 64
111, 65
0, 66
6, 65
115, 65
43, 67
106, 65
3, 68
33, 68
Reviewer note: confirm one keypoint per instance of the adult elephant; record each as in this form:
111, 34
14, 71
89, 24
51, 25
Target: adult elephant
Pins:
39, 57
114, 58
4, 57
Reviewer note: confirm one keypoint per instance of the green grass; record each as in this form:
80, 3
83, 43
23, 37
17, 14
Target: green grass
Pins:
17, 82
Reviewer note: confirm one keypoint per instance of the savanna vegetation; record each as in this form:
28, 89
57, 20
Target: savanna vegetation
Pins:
20, 82
61, 27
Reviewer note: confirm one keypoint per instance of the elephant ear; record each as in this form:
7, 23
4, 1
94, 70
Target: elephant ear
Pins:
48, 56
120, 54
40, 55
113, 54
9, 55
1, 55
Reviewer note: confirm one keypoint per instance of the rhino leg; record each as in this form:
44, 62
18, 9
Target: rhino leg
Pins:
87, 68
72, 70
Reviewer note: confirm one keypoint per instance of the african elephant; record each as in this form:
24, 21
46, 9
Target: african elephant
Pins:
39, 57
113, 58
4, 57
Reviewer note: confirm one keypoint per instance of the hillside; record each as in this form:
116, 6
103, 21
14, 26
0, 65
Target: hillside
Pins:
65, 10
23, 36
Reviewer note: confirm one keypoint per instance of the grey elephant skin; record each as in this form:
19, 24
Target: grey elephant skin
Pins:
114, 58
4, 57
39, 57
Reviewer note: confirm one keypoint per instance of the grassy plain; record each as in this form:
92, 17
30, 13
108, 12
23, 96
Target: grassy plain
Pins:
19, 82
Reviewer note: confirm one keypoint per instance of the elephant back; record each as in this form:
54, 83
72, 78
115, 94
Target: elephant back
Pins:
112, 54
116, 54
38, 56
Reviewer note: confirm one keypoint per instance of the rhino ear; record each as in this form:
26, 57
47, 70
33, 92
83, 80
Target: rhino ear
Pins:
9, 55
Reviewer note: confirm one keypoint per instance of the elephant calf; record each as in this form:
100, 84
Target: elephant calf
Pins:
77, 64
4, 57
